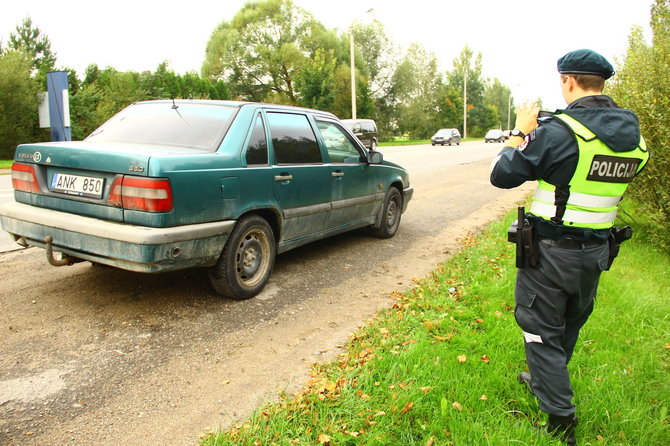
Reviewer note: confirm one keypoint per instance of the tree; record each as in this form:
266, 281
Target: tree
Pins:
416, 93
29, 39
469, 65
643, 85
378, 54
18, 102
499, 97
263, 49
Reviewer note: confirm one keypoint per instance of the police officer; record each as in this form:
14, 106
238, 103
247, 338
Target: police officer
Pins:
583, 158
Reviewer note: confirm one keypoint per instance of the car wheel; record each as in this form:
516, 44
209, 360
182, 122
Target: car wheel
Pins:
450, 142
432, 144
391, 213
246, 261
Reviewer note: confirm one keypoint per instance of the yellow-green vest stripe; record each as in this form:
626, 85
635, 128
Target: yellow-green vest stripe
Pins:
598, 184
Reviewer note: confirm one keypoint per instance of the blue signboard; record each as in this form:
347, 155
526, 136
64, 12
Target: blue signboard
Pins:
59, 106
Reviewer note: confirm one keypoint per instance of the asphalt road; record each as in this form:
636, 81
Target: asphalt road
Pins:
96, 355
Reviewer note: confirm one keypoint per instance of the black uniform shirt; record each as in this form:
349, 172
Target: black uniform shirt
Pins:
550, 152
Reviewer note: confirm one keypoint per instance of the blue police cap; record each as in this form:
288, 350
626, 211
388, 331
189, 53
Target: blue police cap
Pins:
585, 62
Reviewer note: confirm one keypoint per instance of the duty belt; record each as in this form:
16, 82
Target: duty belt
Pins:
568, 243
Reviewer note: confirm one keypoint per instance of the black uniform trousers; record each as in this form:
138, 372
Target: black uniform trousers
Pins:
552, 303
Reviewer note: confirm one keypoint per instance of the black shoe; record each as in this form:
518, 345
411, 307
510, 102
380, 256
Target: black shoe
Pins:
563, 428
524, 378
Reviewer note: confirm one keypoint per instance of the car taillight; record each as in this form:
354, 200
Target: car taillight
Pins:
141, 194
24, 178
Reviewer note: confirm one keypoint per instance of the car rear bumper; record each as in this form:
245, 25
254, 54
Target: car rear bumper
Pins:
131, 247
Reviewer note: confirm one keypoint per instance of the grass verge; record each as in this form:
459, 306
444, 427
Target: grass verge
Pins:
6, 164
439, 367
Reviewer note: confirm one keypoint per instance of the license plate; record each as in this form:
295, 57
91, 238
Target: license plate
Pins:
77, 185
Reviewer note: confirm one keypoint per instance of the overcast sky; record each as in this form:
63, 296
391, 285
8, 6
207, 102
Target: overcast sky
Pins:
520, 40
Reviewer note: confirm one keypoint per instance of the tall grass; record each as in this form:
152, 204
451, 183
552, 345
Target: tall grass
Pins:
440, 366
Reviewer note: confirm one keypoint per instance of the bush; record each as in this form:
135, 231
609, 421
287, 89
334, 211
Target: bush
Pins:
643, 85
18, 102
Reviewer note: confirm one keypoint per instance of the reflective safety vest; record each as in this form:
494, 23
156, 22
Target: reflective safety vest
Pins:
596, 187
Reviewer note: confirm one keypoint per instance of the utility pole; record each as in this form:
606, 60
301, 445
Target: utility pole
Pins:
465, 102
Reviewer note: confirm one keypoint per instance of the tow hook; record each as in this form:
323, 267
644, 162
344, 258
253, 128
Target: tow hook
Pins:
63, 261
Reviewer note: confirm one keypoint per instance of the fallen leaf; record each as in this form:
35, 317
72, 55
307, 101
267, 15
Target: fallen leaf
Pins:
323, 439
486, 359
407, 407
600, 438
483, 398
430, 441
457, 406
462, 358
225, 382
425, 389
330, 386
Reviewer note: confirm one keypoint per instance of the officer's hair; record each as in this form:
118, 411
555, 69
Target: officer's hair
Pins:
589, 82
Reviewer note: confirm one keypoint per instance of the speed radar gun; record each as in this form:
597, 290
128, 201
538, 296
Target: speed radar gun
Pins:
524, 235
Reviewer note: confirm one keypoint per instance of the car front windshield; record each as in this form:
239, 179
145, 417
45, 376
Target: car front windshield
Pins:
444, 132
194, 125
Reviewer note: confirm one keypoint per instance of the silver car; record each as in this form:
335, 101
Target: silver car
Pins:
446, 136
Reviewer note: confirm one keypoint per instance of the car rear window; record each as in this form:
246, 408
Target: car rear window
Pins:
194, 126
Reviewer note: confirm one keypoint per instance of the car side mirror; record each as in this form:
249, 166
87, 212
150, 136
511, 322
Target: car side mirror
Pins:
375, 157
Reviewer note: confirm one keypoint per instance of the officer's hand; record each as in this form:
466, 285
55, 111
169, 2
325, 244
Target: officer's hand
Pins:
526, 116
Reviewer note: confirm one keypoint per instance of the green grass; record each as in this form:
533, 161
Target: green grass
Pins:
413, 142
5, 164
440, 366
404, 142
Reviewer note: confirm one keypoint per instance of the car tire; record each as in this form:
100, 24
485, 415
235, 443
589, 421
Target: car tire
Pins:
391, 213
432, 144
246, 261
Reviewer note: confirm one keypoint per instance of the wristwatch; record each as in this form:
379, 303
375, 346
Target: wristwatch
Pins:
517, 132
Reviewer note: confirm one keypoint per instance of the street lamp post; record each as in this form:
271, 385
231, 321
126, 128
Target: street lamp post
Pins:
353, 74
509, 109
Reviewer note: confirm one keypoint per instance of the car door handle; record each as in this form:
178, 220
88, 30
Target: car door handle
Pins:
337, 174
283, 177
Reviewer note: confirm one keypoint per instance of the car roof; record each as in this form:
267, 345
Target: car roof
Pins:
237, 104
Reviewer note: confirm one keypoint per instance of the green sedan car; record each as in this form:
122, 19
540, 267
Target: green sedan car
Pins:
167, 185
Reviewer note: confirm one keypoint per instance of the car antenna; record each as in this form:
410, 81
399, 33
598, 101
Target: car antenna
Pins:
175, 108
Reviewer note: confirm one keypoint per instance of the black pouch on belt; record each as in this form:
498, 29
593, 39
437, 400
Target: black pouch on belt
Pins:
616, 237
525, 236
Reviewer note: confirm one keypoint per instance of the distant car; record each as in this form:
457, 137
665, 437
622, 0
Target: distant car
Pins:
167, 185
446, 136
365, 130
495, 135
